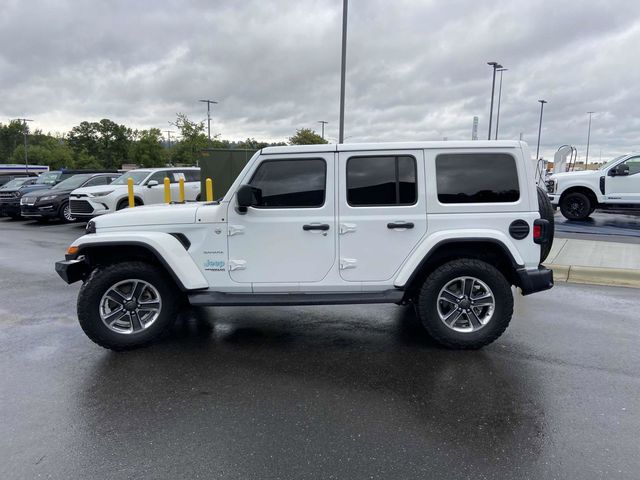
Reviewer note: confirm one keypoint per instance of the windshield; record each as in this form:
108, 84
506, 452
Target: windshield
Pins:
137, 175
72, 182
16, 182
48, 178
611, 162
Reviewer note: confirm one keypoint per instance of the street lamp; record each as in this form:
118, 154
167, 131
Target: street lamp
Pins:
586, 159
25, 133
542, 102
323, 123
501, 70
343, 69
495, 66
208, 102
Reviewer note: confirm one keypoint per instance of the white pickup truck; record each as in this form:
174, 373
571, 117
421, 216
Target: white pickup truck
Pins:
615, 185
448, 227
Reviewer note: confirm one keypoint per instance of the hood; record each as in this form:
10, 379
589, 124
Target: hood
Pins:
583, 173
98, 188
163, 214
29, 188
42, 192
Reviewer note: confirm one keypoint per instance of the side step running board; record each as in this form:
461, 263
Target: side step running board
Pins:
208, 298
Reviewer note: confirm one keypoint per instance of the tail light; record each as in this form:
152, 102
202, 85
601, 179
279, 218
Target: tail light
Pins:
541, 231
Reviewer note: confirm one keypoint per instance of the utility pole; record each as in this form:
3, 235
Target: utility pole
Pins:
24, 132
542, 102
586, 159
343, 68
169, 132
209, 102
501, 70
323, 124
495, 66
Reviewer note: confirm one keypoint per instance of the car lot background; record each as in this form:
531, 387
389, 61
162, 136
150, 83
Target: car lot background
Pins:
336, 392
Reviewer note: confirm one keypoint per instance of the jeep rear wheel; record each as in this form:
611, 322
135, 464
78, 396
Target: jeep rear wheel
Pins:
127, 305
575, 206
465, 304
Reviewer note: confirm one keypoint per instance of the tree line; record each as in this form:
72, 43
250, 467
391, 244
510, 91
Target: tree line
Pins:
106, 144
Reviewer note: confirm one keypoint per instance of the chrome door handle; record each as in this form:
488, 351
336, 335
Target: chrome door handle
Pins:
400, 225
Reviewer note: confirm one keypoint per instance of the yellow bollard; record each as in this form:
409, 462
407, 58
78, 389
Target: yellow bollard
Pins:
209, 190
132, 202
181, 185
167, 190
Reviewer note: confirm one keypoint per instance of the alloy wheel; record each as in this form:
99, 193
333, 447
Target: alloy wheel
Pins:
466, 304
130, 306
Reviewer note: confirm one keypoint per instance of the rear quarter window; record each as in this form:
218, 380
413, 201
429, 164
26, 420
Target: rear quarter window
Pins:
477, 178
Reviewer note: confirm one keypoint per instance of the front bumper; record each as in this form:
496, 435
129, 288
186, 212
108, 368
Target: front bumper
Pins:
10, 207
73, 270
554, 199
532, 281
87, 207
39, 211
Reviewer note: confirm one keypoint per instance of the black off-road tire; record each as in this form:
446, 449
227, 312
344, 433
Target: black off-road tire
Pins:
546, 212
576, 206
99, 282
427, 304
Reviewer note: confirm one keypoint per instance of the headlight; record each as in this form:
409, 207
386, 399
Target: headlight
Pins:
24, 200
91, 227
101, 194
551, 186
48, 197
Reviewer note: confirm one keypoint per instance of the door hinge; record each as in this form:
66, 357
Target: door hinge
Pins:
347, 227
236, 230
347, 263
237, 265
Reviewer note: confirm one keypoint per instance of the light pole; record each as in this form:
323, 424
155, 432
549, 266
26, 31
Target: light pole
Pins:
586, 159
542, 102
501, 70
169, 132
343, 68
323, 123
25, 133
495, 66
208, 102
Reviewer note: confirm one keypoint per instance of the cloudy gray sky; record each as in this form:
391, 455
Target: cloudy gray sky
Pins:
416, 68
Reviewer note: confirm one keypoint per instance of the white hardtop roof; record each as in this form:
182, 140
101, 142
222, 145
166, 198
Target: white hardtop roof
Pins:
351, 147
161, 169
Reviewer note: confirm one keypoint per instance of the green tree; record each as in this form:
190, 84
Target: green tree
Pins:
193, 140
147, 150
11, 136
105, 140
306, 136
52, 153
253, 144
84, 160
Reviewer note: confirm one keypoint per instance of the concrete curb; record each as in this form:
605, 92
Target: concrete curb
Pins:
620, 277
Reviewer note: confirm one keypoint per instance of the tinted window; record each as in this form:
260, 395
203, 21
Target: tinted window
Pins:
97, 181
291, 183
192, 175
634, 165
477, 178
381, 180
160, 176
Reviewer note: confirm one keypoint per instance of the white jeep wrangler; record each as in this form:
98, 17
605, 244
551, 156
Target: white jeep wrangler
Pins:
614, 186
446, 226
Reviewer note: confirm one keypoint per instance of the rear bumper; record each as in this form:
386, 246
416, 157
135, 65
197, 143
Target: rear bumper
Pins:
532, 281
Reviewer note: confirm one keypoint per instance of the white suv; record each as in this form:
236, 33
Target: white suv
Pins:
615, 185
148, 189
448, 227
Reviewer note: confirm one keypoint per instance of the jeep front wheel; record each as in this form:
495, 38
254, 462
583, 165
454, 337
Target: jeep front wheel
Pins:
126, 305
575, 206
465, 304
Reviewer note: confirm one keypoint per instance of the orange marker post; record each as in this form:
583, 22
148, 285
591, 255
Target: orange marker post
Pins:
167, 190
209, 190
132, 202
181, 185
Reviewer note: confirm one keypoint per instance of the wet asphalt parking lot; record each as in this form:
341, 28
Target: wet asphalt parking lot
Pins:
316, 392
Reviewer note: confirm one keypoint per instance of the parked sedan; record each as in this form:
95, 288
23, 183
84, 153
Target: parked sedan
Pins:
12, 186
53, 203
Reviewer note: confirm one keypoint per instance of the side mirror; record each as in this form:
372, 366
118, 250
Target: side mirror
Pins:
248, 196
152, 183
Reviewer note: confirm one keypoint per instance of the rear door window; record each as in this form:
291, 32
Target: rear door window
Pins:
381, 180
477, 178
